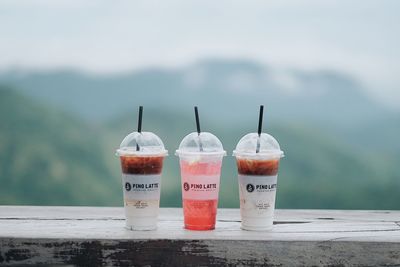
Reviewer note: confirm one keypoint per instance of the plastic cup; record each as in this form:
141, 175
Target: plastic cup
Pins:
200, 161
141, 179
257, 176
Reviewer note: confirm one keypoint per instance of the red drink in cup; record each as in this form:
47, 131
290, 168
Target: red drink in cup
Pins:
200, 161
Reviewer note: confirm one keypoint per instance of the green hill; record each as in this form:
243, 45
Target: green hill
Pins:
50, 158
321, 99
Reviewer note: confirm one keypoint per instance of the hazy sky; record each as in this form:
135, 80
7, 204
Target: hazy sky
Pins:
358, 37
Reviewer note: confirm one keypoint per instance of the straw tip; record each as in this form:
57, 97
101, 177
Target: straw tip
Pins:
196, 113
260, 120
139, 128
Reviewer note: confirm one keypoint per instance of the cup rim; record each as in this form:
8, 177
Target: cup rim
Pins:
122, 152
198, 153
272, 154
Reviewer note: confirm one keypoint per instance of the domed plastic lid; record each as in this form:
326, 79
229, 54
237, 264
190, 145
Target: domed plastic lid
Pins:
205, 143
268, 146
149, 145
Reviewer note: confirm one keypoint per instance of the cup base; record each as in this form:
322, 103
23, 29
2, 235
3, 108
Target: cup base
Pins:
141, 223
257, 223
199, 227
140, 228
256, 228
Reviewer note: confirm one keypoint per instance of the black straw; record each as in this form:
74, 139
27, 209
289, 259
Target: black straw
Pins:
139, 127
260, 121
196, 113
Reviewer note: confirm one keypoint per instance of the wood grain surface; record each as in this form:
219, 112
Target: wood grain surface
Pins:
94, 236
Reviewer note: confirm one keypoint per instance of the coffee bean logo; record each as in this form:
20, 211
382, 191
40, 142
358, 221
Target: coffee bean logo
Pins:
250, 188
128, 186
186, 186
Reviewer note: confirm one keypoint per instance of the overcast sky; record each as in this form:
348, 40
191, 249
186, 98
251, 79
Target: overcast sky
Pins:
361, 38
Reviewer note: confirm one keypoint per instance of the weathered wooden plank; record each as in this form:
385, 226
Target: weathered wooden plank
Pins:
86, 236
58, 212
167, 252
103, 229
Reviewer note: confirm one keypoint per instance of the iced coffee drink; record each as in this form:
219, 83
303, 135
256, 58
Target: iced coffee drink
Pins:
142, 155
257, 176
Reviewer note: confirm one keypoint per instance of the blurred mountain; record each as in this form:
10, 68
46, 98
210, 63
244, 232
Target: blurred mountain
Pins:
227, 91
60, 130
50, 158
220, 85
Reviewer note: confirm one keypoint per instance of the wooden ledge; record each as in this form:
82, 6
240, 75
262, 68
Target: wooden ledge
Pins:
88, 236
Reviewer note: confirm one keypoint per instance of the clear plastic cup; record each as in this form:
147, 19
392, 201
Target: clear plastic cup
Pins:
257, 176
142, 155
200, 161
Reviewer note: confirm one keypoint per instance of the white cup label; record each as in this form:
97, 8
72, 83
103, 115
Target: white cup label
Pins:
257, 195
200, 187
141, 186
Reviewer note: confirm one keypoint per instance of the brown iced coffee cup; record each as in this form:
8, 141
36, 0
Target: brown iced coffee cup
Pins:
257, 158
141, 155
